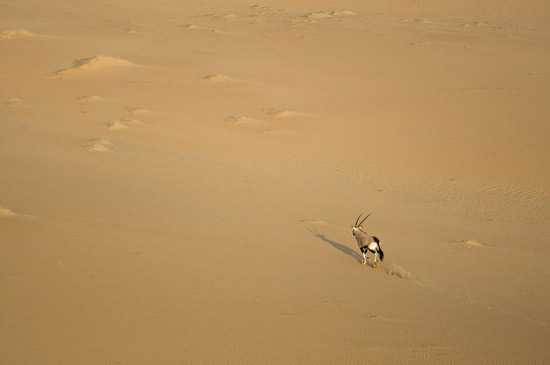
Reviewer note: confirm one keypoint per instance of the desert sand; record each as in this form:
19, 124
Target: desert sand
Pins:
178, 181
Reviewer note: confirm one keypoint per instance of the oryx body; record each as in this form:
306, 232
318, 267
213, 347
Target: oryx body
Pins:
366, 242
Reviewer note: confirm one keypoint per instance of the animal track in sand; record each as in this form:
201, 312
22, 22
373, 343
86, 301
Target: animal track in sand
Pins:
278, 116
6, 213
286, 114
95, 63
117, 125
314, 222
91, 99
396, 270
244, 121
194, 27
218, 78
382, 318
99, 145
326, 14
280, 132
16, 34
123, 123
471, 244
273, 125
230, 16
13, 102
138, 111
257, 125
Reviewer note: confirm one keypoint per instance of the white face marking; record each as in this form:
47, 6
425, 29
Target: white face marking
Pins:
356, 230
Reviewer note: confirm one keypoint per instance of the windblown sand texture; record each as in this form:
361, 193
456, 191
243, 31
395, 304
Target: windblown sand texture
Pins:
193, 168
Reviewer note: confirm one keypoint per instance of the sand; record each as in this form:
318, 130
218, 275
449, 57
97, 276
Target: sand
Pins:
178, 180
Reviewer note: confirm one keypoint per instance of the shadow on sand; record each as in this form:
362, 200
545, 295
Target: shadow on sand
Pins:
340, 247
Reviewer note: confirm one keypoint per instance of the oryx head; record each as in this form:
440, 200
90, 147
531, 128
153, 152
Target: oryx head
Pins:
357, 227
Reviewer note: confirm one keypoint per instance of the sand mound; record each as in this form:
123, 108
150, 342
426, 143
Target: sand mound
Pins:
95, 63
16, 34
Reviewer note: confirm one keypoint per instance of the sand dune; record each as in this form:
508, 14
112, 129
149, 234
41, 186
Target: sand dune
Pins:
197, 210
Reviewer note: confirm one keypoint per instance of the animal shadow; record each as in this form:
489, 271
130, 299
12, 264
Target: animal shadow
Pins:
340, 247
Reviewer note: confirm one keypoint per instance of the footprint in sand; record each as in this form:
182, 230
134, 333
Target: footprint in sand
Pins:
92, 64
99, 145
16, 34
